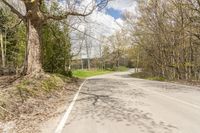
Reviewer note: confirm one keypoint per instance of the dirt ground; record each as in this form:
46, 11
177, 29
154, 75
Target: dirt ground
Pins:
19, 115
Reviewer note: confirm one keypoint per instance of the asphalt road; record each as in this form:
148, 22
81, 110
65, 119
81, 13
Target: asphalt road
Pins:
116, 103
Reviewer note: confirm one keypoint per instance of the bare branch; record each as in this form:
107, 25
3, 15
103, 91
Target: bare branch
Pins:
99, 5
13, 27
14, 10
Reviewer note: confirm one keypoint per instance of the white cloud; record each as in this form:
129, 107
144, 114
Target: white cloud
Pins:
103, 24
123, 5
120, 22
100, 24
97, 25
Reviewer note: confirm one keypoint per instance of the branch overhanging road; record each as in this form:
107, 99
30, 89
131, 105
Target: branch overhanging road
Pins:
116, 103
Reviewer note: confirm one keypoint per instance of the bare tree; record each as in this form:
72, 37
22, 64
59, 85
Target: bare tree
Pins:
168, 37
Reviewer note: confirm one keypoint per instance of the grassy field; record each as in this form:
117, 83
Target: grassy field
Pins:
89, 73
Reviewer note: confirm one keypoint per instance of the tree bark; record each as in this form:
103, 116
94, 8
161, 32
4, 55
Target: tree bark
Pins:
33, 63
2, 50
88, 55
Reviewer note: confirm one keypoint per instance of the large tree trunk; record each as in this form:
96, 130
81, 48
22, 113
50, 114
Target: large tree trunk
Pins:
33, 63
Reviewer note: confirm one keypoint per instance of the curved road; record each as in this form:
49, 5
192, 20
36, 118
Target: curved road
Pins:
117, 103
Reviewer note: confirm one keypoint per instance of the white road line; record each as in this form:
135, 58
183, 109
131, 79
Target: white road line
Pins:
169, 97
63, 121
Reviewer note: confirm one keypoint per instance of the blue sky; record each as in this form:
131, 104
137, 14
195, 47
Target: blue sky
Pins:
114, 13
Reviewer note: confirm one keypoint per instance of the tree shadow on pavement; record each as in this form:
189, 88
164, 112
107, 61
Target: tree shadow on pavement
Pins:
106, 100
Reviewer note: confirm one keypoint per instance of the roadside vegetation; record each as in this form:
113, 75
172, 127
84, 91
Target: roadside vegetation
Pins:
119, 69
166, 39
89, 73
144, 75
27, 102
148, 76
94, 72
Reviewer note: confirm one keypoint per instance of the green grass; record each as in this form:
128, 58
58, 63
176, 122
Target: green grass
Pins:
144, 75
46, 84
156, 78
89, 73
120, 69
141, 75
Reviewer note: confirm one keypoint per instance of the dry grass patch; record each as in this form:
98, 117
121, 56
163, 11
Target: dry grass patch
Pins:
27, 102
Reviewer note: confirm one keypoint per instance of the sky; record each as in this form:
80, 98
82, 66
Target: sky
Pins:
116, 8
109, 19
116, 14
99, 24
106, 22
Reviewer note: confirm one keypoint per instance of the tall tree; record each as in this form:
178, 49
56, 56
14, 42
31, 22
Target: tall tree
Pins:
10, 39
35, 17
168, 37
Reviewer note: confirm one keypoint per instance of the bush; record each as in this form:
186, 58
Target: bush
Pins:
156, 78
144, 75
120, 68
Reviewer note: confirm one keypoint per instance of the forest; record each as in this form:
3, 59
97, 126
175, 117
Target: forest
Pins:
166, 38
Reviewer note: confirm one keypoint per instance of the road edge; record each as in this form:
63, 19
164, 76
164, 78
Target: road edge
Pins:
64, 119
